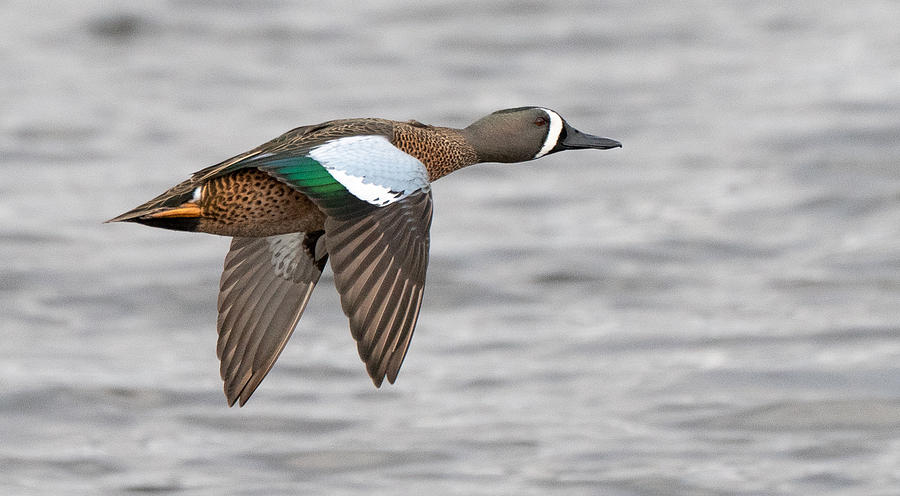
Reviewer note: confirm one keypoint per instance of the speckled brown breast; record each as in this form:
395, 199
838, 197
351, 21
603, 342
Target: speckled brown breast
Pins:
250, 202
442, 150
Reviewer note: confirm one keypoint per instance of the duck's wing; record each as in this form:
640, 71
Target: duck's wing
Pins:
379, 261
377, 199
263, 291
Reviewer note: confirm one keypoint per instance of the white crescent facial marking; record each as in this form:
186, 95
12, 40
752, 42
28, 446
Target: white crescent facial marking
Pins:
198, 192
371, 168
556, 127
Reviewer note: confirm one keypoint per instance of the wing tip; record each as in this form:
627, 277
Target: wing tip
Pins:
231, 396
237, 396
376, 379
390, 375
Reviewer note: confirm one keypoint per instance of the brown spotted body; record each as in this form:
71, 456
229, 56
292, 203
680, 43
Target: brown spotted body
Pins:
252, 203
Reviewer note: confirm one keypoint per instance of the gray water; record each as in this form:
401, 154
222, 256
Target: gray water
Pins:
711, 310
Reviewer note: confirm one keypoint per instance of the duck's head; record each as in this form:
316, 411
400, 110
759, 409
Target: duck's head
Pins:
527, 133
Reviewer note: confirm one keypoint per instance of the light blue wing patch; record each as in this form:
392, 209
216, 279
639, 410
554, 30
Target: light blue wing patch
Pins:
371, 168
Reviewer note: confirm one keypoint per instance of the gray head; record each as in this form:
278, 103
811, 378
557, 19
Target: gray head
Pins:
527, 133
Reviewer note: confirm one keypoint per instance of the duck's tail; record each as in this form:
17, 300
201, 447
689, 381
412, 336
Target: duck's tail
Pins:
176, 209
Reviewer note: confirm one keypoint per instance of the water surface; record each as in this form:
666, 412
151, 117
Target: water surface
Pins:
711, 310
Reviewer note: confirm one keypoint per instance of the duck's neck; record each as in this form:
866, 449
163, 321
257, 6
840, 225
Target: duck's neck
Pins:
492, 144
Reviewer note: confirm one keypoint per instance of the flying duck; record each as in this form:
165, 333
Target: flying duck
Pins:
356, 191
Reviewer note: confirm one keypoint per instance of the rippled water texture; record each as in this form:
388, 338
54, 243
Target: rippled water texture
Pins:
711, 310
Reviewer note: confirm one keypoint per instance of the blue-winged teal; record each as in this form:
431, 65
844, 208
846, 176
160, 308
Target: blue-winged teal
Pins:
355, 190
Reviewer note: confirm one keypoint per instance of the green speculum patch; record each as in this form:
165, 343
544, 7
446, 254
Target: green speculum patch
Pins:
310, 177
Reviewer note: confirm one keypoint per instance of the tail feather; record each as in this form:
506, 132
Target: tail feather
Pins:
190, 224
170, 210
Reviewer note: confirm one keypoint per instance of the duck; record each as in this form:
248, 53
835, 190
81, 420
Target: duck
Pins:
353, 191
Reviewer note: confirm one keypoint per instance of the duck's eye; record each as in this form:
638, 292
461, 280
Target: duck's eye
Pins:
540, 121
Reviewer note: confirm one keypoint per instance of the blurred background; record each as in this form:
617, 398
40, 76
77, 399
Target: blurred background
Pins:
711, 310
